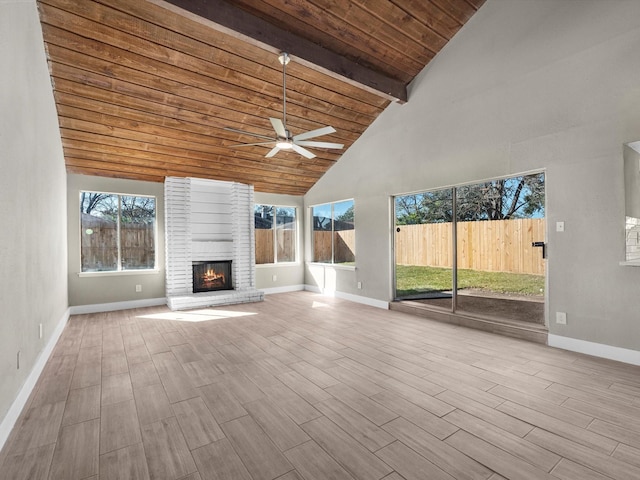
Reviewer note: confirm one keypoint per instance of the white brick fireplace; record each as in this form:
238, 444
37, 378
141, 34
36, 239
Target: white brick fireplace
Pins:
208, 220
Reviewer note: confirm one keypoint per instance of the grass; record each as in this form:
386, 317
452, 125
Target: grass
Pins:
416, 279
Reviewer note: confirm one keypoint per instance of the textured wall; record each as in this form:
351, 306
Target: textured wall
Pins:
524, 86
33, 252
111, 287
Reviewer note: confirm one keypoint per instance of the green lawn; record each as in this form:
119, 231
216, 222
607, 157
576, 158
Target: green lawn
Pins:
415, 279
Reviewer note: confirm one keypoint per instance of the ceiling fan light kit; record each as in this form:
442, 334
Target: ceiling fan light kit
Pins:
284, 140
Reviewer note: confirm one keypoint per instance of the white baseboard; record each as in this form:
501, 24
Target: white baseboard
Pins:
19, 403
596, 349
372, 302
287, 289
110, 307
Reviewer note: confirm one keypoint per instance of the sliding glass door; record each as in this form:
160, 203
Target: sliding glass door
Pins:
424, 253
476, 249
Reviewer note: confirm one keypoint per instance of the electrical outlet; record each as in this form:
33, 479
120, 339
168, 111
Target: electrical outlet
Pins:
561, 318
138, 288
359, 285
274, 278
559, 226
40, 331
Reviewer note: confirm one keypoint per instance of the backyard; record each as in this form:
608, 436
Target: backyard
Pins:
412, 280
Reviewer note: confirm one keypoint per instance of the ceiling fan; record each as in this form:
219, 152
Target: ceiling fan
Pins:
283, 139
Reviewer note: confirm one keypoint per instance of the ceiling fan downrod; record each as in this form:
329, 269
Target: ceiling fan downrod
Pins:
284, 60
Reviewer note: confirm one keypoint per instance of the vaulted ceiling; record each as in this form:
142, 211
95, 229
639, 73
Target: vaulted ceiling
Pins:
145, 88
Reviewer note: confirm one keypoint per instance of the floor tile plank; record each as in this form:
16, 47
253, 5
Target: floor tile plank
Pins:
32, 464
410, 464
219, 461
116, 389
166, 450
564, 429
259, 454
152, 404
38, 427
119, 426
283, 431
494, 458
128, 462
508, 442
221, 403
359, 427
585, 456
82, 404
315, 464
415, 414
362, 404
198, 425
76, 453
439, 453
356, 459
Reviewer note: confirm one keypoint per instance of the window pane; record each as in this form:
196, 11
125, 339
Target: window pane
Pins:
322, 250
137, 232
344, 239
286, 233
263, 218
99, 232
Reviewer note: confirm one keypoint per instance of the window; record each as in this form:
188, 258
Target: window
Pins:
118, 232
334, 238
275, 237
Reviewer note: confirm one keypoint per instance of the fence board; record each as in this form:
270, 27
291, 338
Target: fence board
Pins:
492, 245
344, 245
100, 248
286, 245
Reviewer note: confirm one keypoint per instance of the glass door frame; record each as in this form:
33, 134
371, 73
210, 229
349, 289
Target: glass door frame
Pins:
454, 240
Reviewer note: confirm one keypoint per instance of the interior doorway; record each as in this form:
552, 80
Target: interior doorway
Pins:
476, 249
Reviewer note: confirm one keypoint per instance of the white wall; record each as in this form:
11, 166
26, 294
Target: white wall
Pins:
112, 287
287, 275
525, 85
33, 252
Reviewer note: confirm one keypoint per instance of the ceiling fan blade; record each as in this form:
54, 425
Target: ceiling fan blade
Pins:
243, 132
252, 144
272, 152
302, 151
319, 144
278, 126
315, 133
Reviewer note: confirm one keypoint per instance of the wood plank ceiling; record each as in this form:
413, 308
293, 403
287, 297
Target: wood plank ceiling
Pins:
144, 89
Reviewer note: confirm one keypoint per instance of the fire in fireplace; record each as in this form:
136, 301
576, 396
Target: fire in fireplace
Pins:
210, 276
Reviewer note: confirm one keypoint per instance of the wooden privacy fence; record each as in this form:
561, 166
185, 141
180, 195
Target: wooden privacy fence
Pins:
264, 245
491, 245
100, 247
344, 246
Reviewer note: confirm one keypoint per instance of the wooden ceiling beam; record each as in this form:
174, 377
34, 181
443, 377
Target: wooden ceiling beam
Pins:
226, 18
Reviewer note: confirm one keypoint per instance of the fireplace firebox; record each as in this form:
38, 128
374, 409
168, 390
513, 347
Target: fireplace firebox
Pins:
210, 276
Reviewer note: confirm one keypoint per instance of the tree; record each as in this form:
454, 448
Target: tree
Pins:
504, 199
92, 201
429, 207
347, 216
137, 209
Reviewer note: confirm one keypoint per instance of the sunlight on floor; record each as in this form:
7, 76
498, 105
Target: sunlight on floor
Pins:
318, 304
197, 315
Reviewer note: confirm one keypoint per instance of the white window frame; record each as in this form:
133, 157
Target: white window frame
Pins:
119, 270
274, 232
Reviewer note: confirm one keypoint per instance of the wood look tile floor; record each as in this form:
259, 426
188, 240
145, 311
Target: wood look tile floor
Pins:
302, 386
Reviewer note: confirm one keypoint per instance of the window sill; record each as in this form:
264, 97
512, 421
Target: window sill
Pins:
336, 266
278, 265
630, 263
118, 273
